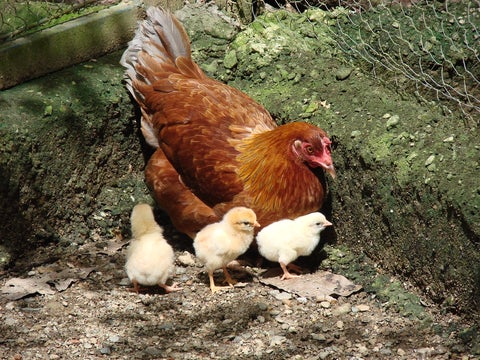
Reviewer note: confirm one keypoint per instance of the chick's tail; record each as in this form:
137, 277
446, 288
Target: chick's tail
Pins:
142, 221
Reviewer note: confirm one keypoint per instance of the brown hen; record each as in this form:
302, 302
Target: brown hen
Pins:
216, 147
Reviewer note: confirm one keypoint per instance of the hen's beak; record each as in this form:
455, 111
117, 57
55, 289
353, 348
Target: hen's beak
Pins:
331, 170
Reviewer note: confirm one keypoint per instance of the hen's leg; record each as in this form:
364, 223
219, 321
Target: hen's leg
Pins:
187, 212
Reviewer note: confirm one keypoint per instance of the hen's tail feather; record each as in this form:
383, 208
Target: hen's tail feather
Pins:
160, 47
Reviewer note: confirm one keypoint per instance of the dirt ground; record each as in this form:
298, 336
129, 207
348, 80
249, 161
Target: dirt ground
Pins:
90, 313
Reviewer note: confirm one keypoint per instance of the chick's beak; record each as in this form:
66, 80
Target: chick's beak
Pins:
256, 224
327, 223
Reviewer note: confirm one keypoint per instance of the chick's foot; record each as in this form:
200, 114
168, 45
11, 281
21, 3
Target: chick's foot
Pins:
168, 289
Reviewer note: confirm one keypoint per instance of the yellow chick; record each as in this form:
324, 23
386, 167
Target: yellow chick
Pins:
149, 257
285, 240
220, 243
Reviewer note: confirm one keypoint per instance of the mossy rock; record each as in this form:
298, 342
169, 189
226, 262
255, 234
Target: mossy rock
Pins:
406, 193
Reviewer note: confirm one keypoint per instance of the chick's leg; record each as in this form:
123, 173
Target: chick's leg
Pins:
295, 268
136, 287
169, 289
286, 274
214, 288
228, 278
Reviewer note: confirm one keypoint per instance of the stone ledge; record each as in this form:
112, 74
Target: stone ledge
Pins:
67, 44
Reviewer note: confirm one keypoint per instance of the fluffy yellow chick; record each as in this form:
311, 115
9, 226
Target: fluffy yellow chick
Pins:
149, 258
285, 240
219, 243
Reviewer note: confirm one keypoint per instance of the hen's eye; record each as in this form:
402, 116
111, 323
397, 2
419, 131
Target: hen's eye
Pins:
309, 150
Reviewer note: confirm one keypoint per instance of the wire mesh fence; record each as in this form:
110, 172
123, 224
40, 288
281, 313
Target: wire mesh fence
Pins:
432, 46
425, 46
20, 17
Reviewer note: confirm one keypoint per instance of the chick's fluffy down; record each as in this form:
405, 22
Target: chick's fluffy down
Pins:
219, 251
286, 240
219, 243
149, 259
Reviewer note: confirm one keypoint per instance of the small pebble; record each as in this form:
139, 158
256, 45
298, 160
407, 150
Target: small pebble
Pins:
105, 350
277, 340
124, 282
318, 337
392, 121
386, 351
342, 309
430, 160
362, 349
343, 73
114, 338
323, 355
355, 133
302, 300
292, 330
186, 259
363, 307
424, 352
9, 321
281, 295
325, 304
153, 351
262, 306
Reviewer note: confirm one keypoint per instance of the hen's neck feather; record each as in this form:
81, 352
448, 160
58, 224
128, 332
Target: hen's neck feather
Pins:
274, 177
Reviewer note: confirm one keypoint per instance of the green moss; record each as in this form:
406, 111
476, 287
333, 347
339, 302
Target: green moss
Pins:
378, 148
394, 295
390, 292
278, 33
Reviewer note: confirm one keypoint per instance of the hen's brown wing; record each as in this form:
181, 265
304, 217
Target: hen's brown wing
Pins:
188, 213
198, 126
